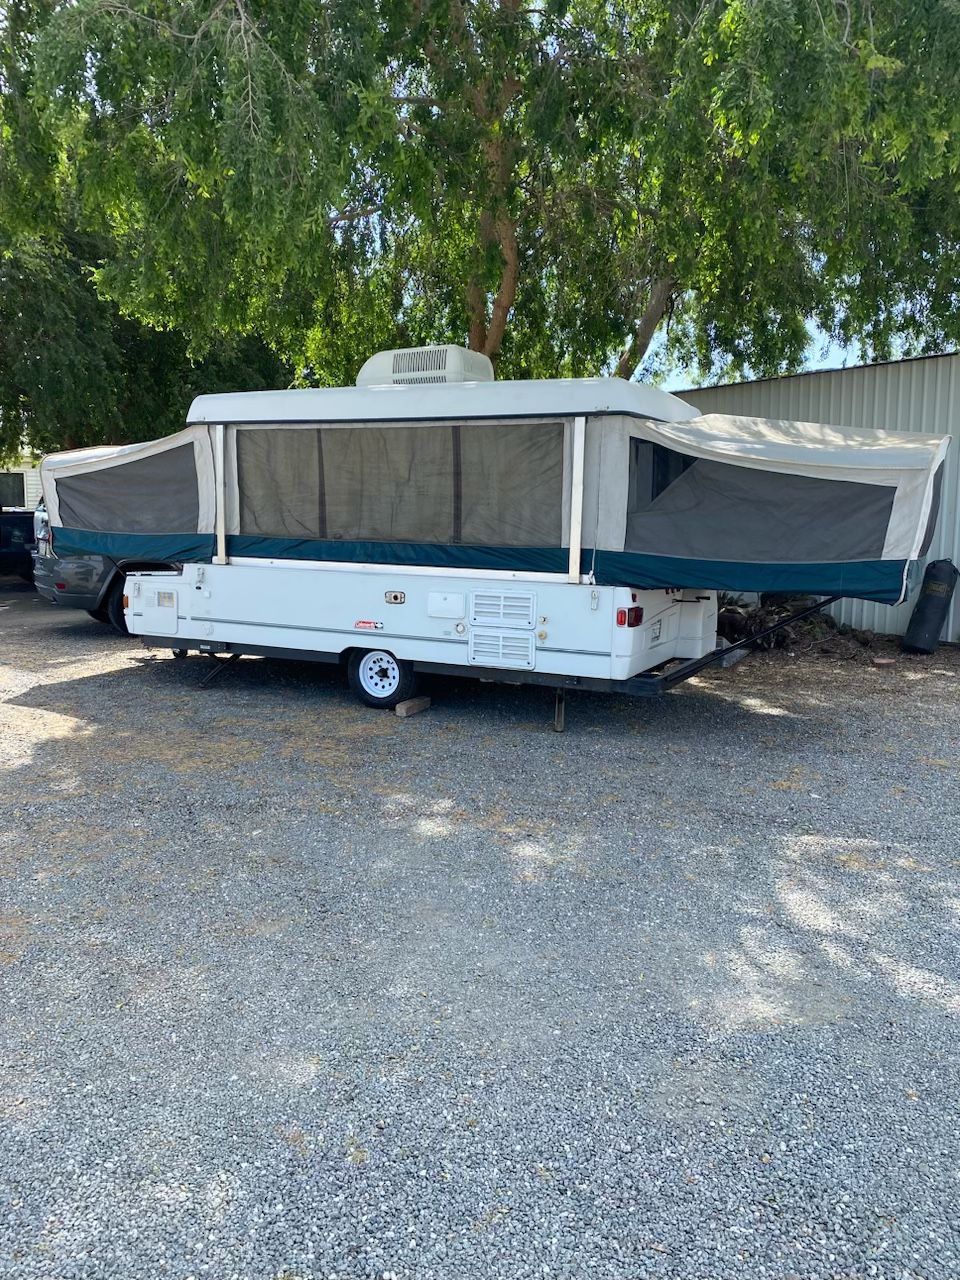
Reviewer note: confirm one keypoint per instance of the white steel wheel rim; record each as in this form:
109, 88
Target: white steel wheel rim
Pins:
379, 674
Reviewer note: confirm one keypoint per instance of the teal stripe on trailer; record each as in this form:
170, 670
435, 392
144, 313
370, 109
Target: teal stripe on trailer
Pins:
427, 554
880, 580
170, 548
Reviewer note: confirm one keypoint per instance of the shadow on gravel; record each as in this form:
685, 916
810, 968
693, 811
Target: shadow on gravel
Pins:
694, 851
696, 952
306, 686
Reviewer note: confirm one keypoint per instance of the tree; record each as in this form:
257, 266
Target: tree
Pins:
555, 182
74, 371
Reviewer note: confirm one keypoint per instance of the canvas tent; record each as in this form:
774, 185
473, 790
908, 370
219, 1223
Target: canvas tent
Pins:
506, 476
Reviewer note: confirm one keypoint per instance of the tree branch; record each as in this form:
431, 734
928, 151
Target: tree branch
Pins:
476, 293
354, 215
506, 294
477, 312
646, 326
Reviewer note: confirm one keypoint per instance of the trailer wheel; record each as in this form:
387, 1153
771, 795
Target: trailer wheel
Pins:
379, 679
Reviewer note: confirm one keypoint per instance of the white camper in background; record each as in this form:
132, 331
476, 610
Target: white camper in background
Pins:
568, 532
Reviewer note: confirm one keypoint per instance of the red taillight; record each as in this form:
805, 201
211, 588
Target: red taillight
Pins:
61, 586
634, 616
621, 617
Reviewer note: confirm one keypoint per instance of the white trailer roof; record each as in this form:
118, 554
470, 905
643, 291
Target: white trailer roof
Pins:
560, 397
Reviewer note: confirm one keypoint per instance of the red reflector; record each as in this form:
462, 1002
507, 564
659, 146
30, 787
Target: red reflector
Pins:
61, 586
634, 616
621, 617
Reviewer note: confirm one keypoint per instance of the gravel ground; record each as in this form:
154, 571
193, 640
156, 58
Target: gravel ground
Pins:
291, 989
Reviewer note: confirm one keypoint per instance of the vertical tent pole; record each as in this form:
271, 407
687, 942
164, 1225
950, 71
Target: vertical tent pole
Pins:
221, 483
576, 499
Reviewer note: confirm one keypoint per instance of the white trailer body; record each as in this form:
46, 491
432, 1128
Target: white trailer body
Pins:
515, 627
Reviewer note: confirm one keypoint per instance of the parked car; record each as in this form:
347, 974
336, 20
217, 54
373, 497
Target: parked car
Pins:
16, 541
90, 582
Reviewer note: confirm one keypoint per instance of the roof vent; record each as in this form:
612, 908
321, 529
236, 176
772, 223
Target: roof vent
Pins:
425, 365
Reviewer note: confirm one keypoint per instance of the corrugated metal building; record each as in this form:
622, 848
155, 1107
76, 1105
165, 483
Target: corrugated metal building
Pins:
921, 395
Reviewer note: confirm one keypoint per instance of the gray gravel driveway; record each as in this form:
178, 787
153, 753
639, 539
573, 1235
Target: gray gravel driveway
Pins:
291, 989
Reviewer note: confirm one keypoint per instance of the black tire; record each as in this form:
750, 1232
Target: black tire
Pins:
113, 605
99, 615
396, 679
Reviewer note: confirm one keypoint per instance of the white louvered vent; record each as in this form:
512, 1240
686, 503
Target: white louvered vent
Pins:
414, 365
421, 360
501, 649
503, 608
449, 364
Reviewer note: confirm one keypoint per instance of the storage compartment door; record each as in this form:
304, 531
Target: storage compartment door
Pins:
157, 610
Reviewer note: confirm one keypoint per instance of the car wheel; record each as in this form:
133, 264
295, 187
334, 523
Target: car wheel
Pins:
379, 679
99, 615
113, 605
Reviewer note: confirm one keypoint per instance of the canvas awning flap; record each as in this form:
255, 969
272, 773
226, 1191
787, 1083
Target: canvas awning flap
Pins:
163, 486
756, 490
804, 448
722, 512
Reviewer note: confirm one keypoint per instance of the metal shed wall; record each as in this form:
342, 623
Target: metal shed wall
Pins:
921, 395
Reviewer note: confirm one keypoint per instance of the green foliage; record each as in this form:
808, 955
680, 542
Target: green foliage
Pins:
555, 181
75, 372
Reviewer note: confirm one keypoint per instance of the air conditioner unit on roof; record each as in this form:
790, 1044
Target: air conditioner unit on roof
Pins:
423, 365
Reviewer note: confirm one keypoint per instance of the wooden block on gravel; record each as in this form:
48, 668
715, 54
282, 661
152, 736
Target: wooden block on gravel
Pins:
412, 706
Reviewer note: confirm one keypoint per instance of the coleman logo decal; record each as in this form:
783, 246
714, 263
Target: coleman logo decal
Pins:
366, 625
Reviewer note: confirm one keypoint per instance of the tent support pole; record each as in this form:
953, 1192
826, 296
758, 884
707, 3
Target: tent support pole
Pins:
576, 498
221, 520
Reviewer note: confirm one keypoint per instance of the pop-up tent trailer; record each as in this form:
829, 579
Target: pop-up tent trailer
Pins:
512, 475
596, 483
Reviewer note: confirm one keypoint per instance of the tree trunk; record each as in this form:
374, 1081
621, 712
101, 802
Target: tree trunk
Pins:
477, 310
476, 292
507, 293
661, 291
497, 226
